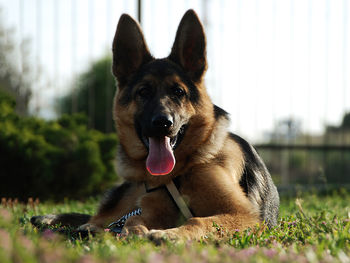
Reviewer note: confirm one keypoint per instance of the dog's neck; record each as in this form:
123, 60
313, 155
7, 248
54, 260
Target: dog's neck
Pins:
172, 188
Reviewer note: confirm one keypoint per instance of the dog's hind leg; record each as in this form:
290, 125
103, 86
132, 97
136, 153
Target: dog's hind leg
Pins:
69, 219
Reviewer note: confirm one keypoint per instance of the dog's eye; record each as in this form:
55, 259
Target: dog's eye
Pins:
178, 91
145, 91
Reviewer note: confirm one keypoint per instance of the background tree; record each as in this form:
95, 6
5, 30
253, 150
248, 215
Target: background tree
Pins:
53, 159
346, 121
343, 127
92, 94
15, 79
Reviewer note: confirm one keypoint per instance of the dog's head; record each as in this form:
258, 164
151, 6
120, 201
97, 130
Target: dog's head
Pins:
159, 100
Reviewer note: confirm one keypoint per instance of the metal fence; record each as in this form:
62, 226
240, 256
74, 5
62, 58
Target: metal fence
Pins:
272, 64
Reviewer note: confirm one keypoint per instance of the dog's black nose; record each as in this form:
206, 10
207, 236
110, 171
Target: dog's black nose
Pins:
162, 121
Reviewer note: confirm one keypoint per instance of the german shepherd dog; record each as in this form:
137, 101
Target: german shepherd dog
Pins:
183, 170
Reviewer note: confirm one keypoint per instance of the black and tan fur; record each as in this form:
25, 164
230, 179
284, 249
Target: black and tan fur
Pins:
218, 173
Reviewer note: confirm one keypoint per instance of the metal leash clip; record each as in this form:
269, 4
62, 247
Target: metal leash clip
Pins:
117, 226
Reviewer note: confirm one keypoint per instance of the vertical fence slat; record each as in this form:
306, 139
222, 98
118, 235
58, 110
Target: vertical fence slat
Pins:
38, 32
345, 85
91, 32
325, 139
273, 66
56, 50
108, 91
73, 57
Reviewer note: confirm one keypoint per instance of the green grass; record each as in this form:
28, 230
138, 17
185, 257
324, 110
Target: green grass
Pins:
311, 229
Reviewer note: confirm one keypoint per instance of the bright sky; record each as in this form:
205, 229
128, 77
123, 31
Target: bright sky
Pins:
268, 59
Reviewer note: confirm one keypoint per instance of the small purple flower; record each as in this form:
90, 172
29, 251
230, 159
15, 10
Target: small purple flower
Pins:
5, 215
270, 252
5, 240
155, 258
204, 254
48, 234
26, 243
87, 259
293, 223
249, 251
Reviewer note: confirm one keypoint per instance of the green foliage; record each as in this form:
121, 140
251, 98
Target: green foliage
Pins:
52, 159
327, 167
311, 229
344, 126
309, 167
92, 94
346, 121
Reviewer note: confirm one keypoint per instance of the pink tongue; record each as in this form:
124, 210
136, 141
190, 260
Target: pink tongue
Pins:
160, 160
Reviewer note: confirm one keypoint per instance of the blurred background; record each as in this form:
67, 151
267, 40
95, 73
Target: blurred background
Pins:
279, 67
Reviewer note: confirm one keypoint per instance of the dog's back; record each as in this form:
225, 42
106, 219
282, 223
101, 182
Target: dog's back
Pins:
257, 183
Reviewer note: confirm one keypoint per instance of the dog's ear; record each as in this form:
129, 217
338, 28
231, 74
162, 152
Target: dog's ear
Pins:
189, 48
130, 50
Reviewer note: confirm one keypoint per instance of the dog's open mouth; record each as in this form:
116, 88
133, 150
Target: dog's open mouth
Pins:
161, 159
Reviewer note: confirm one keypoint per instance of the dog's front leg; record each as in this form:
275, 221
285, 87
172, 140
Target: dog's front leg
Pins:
119, 201
199, 227
158, 212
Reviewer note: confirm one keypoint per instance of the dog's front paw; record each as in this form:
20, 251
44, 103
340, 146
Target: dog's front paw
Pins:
88, 228
138, 230
160, 236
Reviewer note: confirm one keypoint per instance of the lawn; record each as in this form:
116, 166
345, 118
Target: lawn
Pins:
311, 228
